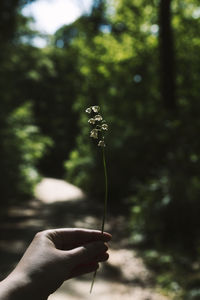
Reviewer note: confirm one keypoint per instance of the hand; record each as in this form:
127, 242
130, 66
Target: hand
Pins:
57, 255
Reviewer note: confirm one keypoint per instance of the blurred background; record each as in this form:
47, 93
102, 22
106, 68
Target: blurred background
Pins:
139, 61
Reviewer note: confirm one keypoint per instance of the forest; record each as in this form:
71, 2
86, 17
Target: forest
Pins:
139, 61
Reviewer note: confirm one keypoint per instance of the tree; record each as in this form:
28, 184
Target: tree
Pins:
21, 142
167, 55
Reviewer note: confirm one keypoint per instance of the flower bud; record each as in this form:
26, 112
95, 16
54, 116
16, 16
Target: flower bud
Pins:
91, 121
104, 126
88, 110
98, 118
95, 108
101, 144
94, 134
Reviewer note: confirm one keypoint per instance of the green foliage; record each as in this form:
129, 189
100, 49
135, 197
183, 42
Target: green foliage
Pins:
77, 166
54, 82
21, 147
108, 62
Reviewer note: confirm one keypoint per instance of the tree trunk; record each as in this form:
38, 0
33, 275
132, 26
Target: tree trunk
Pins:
167, 55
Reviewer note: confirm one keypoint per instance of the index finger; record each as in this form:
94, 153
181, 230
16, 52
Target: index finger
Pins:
70, 238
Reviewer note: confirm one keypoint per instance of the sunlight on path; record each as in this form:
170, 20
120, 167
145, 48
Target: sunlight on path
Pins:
124, 285
104, 290
50, 190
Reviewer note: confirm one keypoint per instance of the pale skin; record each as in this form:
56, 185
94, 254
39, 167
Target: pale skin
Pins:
53, 257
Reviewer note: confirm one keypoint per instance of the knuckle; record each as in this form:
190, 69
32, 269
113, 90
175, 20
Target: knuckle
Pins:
39, 234
42, 233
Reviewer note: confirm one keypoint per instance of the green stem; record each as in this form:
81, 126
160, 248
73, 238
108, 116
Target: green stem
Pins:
105, 207
106, 190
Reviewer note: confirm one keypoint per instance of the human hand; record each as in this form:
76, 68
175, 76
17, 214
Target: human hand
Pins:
57, 255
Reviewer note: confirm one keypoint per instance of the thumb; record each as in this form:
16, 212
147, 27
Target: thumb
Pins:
87, 253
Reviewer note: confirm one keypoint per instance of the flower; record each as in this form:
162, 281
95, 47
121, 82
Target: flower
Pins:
92, 121
95, 108
104, 126
98, 123
98, 118
101, 144
88, 110
99, 126
94, 134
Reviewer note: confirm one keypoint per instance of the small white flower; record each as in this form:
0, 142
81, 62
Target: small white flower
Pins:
92, 121
94, 134
88, 110
104, 126
95, 108
98, 118
101, 144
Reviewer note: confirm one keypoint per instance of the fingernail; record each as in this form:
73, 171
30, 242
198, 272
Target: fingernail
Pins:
107, 236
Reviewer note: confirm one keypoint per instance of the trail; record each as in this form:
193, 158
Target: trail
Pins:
60, 204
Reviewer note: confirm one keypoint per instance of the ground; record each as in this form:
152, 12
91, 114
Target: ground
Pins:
60, 204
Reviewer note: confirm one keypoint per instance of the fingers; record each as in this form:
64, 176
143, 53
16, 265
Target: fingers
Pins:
84, 236
103, 257
87, 253
88, 268
91, 267
84, 269
74, 237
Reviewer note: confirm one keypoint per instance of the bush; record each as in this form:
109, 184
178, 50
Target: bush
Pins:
22, 146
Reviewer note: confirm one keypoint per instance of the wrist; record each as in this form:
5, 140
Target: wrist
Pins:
19, 286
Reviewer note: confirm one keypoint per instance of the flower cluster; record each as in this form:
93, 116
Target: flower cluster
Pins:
99, 124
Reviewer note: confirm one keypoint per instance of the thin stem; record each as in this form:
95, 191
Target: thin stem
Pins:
105, 206
106, 190
93, 279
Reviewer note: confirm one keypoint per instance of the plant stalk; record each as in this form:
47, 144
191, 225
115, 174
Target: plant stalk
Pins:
105, 206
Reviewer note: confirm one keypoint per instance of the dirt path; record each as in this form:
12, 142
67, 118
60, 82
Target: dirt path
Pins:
60, 204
